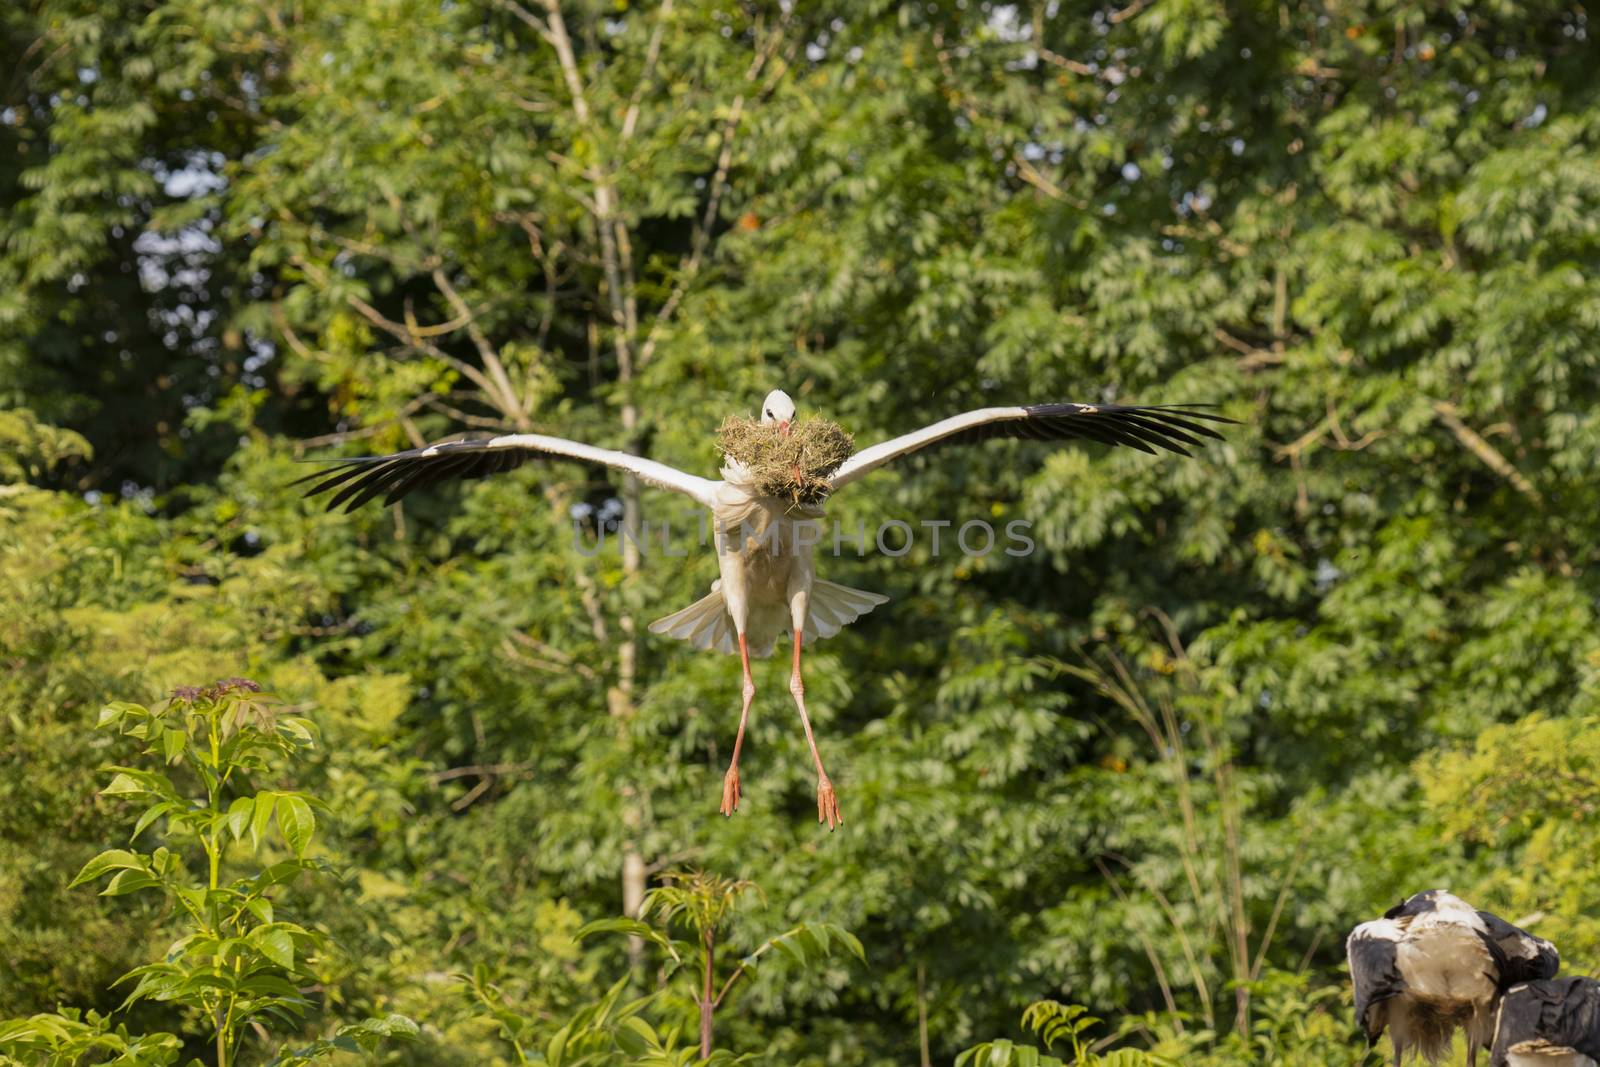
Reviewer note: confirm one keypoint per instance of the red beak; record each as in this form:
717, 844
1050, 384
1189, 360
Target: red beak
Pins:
783, 427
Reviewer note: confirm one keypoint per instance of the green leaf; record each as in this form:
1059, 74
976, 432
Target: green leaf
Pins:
851, 942
148, 816
270, 985
296, 823
392, 1025
277, 946
636, 1037
556, 1050
116, 711
156, 982
279, 874
194, 983
125, 882
172, 744
298, 728
116, 859
192, 943
194, 899
789, 948
261, 816
239, 813
121, 785
633, 928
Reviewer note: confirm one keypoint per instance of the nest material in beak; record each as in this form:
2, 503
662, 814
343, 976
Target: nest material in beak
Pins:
790, 461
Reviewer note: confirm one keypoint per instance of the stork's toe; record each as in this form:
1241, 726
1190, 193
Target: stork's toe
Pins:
828, 805
731, 791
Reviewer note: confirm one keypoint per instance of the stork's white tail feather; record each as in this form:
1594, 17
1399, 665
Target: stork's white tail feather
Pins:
834, 606
705, 624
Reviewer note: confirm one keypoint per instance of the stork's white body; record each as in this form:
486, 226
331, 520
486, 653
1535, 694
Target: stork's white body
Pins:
768, 585
764, 554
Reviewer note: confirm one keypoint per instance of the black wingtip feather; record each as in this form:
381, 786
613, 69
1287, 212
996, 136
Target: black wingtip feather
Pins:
1150, 428
355, 480
1164, 426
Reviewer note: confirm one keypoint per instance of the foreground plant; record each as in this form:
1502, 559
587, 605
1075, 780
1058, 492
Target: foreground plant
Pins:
1055, 1022
238, 964
614, 1029
71, 1037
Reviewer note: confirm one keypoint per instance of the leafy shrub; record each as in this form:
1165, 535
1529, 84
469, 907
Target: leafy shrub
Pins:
238, 965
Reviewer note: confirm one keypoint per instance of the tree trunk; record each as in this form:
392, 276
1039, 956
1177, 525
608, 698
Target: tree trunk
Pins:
922, 1015
633, 865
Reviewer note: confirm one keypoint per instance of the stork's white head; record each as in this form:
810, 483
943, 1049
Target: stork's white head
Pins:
777, 409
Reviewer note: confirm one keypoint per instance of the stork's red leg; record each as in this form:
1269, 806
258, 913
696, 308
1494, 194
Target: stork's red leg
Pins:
827, 801
730, 781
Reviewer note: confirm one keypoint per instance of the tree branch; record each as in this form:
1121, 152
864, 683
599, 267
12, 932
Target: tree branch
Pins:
480, 770
360, 432
651, 54
1254, 358
1130, 11
553, 660
1491, 456
508, 402
526, 16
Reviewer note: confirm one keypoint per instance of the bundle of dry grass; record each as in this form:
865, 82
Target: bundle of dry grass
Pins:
796, 467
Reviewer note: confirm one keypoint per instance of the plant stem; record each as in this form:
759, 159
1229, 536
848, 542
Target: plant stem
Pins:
213, 847
708, 1006
225, 1035
213, 788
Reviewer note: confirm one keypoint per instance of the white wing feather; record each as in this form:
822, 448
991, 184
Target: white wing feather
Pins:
648, 471
870, 459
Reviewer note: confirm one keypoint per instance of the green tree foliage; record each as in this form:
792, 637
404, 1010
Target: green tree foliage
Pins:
1158, 767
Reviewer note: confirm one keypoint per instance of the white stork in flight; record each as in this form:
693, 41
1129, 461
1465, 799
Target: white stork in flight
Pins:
1434, 963
763, 594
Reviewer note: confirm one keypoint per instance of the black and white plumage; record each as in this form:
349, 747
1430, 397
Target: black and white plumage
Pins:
1434, 963
355, 480
1550, 1023
763, 593
1169, 427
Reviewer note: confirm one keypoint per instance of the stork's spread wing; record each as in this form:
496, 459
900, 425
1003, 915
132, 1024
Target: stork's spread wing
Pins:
1170, 426
1372, 949
357, 480
1528, 958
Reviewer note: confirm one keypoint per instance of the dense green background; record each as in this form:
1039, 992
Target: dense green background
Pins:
1230, 707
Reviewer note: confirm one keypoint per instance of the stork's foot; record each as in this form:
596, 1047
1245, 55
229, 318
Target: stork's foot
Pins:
828, 805
731, 792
